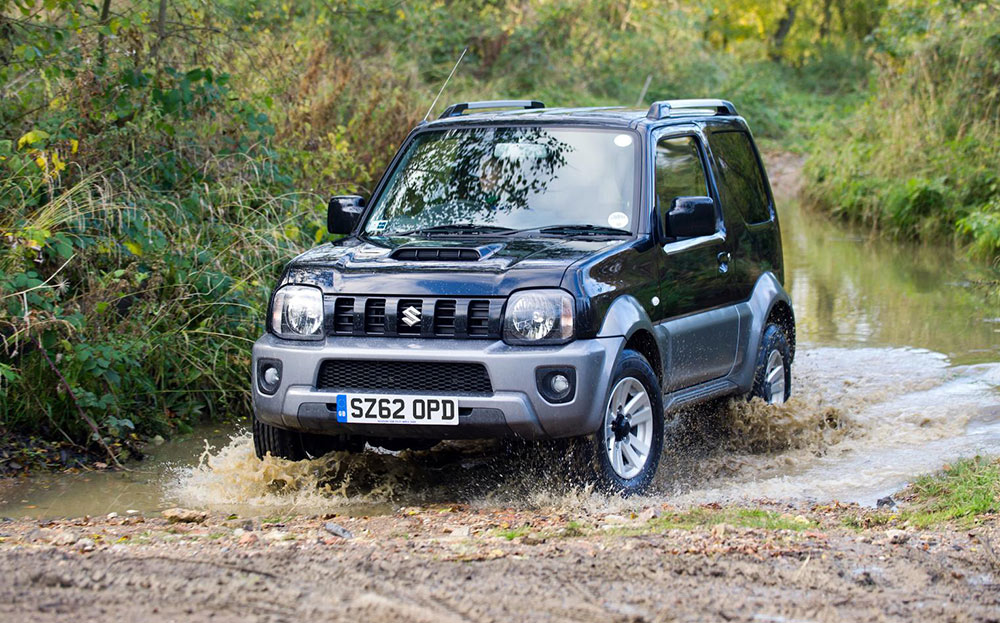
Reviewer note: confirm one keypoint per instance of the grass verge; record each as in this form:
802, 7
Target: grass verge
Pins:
965, 492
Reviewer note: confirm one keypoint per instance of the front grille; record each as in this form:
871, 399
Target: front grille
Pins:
380, 316
404, 376
479, 317
375, 317
343, 316
444, 318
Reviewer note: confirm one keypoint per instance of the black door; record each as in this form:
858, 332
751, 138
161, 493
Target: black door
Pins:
695, 315
751, 220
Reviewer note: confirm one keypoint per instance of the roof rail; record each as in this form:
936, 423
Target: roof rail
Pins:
661, 109
456, 110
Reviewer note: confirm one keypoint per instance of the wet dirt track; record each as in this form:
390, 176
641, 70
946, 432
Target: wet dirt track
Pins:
448, 564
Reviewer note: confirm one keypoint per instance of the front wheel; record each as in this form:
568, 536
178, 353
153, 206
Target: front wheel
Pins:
622, 456
295, 446
772, 380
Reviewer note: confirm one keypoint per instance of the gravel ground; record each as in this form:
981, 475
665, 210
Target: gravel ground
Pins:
460, 564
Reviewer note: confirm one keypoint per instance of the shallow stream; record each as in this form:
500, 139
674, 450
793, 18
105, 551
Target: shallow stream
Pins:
897, 373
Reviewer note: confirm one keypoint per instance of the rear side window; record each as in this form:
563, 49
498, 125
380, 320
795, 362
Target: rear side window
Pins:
741, 181
679, 172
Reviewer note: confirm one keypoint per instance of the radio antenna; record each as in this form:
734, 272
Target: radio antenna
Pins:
447, 80
642, 95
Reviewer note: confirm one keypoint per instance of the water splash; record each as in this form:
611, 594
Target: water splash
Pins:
861, 421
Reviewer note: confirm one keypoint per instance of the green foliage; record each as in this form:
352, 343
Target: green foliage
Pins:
963, 491
157, 173
919, 159
702, 517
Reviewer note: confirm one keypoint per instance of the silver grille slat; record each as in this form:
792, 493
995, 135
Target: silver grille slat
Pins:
405, 316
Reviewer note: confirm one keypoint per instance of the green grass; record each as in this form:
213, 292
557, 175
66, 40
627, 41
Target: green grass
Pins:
513, 533
962, 492
699, 518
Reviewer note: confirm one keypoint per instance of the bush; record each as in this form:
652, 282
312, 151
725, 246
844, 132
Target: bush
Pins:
919, 159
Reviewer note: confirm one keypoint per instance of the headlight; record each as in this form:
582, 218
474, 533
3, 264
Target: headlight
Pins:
297, 313
539, 317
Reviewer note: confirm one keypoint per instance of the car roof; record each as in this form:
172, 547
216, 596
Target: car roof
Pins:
605, 116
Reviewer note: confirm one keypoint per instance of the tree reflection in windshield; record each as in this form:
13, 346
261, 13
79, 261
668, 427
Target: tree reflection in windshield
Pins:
516, 177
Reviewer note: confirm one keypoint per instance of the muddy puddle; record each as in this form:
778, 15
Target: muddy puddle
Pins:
897, 373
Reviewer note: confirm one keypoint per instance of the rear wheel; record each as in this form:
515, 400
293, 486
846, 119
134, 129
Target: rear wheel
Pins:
772, 381
622, 456
295, 446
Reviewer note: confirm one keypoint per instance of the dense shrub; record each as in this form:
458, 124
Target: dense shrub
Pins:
920, 158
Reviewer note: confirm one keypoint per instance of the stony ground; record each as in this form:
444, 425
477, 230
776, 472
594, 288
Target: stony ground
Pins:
459, 564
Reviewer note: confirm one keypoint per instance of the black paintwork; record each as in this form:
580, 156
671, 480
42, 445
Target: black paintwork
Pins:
595, 269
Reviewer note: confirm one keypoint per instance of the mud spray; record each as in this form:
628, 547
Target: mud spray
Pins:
861, 422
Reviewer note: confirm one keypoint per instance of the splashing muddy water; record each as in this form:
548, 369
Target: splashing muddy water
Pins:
865, 420
897, 373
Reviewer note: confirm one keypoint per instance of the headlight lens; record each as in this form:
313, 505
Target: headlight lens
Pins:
539, 317
297, 312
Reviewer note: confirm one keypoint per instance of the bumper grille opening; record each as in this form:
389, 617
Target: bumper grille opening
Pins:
408, 376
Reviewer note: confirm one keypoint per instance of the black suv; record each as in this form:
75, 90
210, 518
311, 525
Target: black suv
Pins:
535, 273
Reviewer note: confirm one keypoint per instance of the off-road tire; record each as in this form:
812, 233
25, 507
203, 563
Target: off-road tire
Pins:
589, 457
278, 442
295, 446
773, 340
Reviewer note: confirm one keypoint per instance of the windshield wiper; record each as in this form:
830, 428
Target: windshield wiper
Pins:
580, 229
454, 228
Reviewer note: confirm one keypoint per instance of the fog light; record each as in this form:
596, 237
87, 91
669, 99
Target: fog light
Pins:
271, 376
268, 375
556, 384
559, 384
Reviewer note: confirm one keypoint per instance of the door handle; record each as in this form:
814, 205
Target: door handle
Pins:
724, 258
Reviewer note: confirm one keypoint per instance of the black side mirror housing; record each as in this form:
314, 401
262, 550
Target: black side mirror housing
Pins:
691, 217
343, 213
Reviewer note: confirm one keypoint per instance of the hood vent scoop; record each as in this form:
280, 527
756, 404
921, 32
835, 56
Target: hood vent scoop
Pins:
443, 254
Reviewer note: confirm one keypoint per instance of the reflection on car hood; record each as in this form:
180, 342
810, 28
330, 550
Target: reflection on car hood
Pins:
355, 266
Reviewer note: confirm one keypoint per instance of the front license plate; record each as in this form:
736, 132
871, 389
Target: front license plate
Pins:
365, 409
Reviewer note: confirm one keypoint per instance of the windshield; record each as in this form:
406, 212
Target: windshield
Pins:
510, 178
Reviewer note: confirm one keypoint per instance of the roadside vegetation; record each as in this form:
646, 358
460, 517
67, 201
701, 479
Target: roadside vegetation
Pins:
965, 493
161, 160
919, 159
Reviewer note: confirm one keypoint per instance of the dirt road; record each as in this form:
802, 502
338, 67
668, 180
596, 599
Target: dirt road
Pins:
458, 564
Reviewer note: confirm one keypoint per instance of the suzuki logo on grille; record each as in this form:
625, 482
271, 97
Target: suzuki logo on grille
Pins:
411, 316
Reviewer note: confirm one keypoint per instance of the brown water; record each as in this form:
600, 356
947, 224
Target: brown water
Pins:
897, 373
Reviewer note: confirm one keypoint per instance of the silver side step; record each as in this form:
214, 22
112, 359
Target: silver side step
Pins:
699, 393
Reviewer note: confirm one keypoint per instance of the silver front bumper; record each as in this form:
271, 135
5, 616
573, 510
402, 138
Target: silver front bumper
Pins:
514, 408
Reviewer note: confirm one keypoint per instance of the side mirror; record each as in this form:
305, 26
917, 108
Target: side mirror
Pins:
343, 213
691, 217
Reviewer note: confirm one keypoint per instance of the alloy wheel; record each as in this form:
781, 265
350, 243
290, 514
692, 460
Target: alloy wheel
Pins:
628, 428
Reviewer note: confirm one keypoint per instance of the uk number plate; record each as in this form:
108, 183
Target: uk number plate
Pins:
363, 409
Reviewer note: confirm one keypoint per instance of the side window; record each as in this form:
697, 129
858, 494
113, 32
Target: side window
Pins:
741, 181
679, 171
